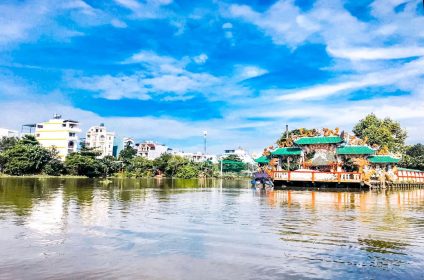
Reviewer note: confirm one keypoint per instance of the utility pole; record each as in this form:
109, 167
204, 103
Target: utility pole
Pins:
287, 139
222, 159
205, 134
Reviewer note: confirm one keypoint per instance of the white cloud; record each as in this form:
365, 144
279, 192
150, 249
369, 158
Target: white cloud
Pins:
200, 59
287, 29
130, 4
247, 72
166, 78
39, 18
113, 87
118, 23
227, 25
345, 35
392, 77
149, 9
377, 53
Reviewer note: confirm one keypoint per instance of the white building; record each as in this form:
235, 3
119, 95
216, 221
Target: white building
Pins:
242, 154
4, 132
197, 157
98, 138
151, 150
128, 141
60, 134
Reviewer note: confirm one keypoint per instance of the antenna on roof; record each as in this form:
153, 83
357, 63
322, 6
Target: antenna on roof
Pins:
57, 116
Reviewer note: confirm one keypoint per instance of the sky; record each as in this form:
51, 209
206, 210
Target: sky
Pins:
167, 70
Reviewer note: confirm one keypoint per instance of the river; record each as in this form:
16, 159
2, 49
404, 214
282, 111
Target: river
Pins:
205, 229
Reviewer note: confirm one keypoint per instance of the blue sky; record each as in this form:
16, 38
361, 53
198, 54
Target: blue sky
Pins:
167, 70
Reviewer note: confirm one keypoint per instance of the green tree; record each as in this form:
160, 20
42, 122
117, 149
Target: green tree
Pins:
140, 167
381, 132
174, 164
297, 132
160, 164
413, 157
22, 159
54, 167
7, 142
109, 165
233, 158
83, 165
29, 140
127, 154
233, 163
187, 171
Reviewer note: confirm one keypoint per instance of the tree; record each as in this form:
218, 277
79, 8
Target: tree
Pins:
233, 158
297, 132
109, 165
233, 163
54, 167
29, 140
7, 142
381, 132
127, 154
140, 167
413, 157
174, 164
22, 159
187, 171
161, 162
83, 165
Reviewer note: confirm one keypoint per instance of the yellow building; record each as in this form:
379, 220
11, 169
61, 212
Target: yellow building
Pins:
60, 134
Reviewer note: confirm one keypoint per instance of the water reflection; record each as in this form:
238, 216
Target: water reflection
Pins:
167, 229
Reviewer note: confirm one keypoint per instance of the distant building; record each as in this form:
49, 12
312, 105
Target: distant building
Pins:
197, 157
100, 139
128, 141
60, 134
4, 132
242, 154
151, 150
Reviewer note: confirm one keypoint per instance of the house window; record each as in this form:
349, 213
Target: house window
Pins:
38, 134
63, 124
40, 126
71, 134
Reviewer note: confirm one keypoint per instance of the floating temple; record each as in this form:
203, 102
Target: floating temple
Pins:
328, 156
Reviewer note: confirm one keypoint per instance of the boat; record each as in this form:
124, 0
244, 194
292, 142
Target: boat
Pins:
331, 158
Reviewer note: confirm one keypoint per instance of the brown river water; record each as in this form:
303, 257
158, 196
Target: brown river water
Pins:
206, 229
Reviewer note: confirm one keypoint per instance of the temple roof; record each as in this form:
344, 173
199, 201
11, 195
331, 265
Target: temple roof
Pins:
355, 150
318, 140
262, 159
383, 159
287, 152
410, 170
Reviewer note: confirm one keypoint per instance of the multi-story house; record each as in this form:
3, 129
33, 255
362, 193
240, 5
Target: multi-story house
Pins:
59, 134
98, 138
241, 154
197, 157
4, 132
151, 150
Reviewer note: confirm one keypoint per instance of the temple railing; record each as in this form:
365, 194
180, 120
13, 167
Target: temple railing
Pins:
316, 176
410, 176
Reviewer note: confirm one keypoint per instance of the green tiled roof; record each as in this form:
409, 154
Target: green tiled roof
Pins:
407, 169
287, 152
318, 140
262, 159
355, 150
383, 159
